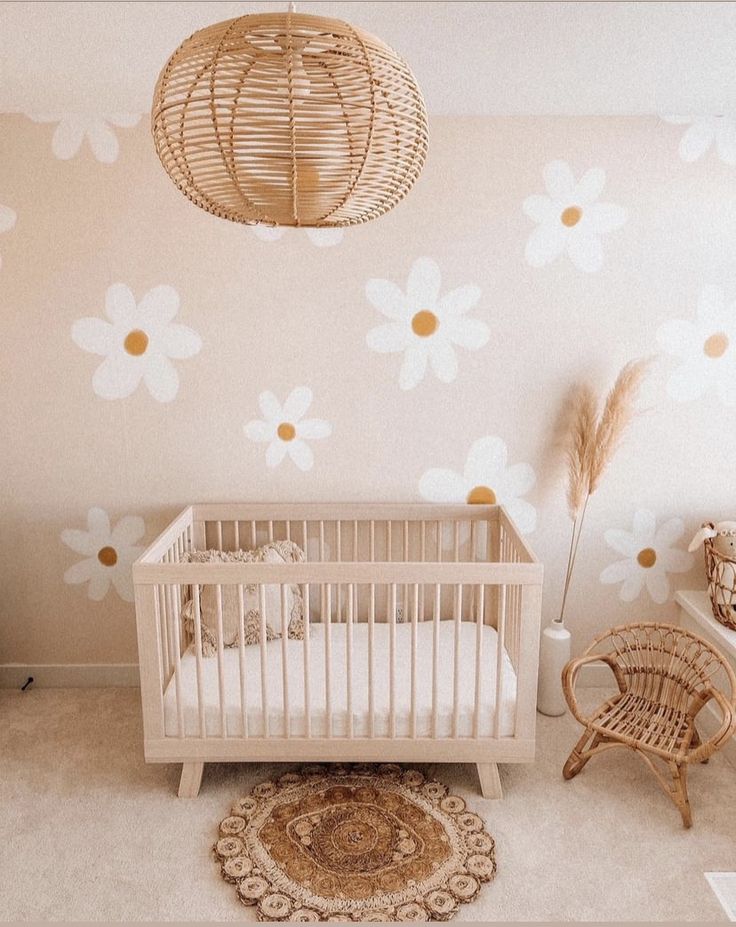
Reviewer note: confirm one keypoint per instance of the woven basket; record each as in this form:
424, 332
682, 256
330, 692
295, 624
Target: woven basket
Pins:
721, 572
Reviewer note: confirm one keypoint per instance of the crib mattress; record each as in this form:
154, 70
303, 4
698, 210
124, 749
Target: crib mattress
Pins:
185, 712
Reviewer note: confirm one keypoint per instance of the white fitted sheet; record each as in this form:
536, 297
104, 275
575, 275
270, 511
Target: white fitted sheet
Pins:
360, 707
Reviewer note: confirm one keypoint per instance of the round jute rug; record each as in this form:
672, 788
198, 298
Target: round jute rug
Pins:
360, 843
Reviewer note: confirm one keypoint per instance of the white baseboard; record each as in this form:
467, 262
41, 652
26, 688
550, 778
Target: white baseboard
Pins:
70, 675
596, 674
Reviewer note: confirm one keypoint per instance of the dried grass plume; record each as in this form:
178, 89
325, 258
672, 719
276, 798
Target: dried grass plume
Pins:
583, 419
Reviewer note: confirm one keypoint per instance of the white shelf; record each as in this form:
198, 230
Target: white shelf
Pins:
696, 603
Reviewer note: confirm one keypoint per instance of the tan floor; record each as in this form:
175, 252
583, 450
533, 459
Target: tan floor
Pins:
89, 832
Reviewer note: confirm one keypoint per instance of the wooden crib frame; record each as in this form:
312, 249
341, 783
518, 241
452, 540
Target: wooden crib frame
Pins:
486, 571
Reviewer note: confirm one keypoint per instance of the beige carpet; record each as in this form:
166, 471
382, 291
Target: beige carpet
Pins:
89, 832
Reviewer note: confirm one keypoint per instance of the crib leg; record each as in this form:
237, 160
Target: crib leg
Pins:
191, 779
490, 782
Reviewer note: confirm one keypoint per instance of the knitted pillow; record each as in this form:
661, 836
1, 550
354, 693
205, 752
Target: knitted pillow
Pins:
274, 552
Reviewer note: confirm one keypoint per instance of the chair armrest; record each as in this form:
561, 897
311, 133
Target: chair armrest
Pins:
724, 732
570, 675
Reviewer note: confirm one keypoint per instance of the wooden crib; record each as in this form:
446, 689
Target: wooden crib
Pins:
421, 639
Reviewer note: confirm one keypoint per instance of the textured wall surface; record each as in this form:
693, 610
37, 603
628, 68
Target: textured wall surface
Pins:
153, 355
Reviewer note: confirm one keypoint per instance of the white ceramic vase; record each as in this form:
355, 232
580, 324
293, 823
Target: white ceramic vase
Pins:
553, 655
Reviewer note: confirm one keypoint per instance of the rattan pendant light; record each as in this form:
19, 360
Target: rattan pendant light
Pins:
289, 119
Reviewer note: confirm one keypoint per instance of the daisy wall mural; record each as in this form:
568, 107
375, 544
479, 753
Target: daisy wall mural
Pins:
421, 357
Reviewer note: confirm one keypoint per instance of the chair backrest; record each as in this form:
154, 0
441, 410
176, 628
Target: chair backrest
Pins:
666, 664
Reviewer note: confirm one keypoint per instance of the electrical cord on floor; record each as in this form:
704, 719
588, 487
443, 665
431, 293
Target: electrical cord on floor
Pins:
26, 684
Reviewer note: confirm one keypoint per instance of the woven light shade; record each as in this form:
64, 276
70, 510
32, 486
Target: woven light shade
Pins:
289, 119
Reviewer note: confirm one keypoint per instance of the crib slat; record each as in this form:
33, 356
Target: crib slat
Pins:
456, 541
500, 641
479, 618
355, 540
371, 630
264, 682
435, 654
270, 531
307, 663
392, 662
162, 594
321, 541
327, 619
414, 629
220, 664
177, 680
372, 541
241, 660
457, 613
253, 535
305, 538
349, 634
198, 658
219, 535
285, 660
236, 534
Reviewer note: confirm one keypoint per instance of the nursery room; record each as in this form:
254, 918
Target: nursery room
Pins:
369, 384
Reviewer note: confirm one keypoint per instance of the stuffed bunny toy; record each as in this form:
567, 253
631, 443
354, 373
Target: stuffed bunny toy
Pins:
722, 585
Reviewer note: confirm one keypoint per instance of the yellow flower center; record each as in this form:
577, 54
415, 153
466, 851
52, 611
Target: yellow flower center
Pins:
107, 556
136, 342
647, 557
481, 495
286, 431
571, 216
424, 323
716, 345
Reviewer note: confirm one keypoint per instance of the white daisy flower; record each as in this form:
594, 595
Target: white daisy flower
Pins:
706, 347
425, 325
109, 554
7, 220
321, 238
73, 128
649, 557
285, 428
569, 219
137, 343
486, 480
703, 133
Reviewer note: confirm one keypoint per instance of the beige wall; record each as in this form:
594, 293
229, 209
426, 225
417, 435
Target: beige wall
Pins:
275, 315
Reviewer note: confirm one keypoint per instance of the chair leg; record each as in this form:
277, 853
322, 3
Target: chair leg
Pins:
577, 759
679, 792
191, 779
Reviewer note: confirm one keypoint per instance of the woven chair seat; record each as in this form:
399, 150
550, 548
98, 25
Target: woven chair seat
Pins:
648, 722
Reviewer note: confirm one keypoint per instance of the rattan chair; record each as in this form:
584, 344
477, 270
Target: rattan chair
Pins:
665, 676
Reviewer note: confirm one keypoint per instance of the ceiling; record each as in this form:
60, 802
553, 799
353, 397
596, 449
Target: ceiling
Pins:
469, 57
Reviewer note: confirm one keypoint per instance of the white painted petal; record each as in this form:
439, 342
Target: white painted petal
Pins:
276, 452
517, 480
127, 531
443, 360
675, 560
313, 428
522, 513
711, 309
466, 333
658, 585
679, 338
268, 232
413, 367
387, 298
270, 407
103, 142
669, 533
541, 208
697, 140
301, 453
98, 524
486, 461
117, 376
604, 217
631, 587
158, 306
440, 485
8, 218
645, 527
623, 542
458, 301
161, 378
99, 584
590, 186
423, 286
586, 252
178, 341
326, 238
617, 572
124, 120
67, 138
257, 430
81, 542
726, 140
559, 180
388, 338
297, 403
94, 335
545, 244
82, 572
122, 580
120, 304
690, 380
